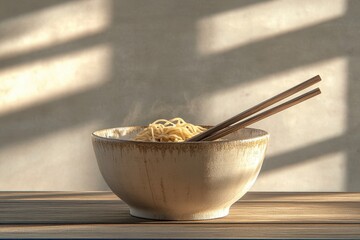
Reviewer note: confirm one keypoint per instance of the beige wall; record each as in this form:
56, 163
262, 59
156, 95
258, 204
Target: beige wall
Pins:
68, 68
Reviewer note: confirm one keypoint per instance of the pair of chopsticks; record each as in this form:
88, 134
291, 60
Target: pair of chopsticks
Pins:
241, 120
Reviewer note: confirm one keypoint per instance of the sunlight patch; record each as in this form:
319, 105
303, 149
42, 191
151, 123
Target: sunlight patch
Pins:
52, 78
231, 29
52, 26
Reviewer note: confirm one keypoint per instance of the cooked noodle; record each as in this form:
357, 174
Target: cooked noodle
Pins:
174, 130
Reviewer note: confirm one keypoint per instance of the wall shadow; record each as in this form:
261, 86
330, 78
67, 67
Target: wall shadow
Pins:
13, 9
305, 154
10, 10
154, 45
353, 103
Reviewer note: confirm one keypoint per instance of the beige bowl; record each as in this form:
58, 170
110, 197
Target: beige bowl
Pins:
179, 181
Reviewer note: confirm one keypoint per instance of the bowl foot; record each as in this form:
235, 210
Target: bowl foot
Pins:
158, 215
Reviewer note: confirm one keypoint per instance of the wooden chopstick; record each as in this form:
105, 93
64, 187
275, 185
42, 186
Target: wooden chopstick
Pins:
263, 115
255, 109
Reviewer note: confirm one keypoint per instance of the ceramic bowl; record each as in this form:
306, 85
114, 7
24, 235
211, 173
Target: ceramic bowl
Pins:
179, 181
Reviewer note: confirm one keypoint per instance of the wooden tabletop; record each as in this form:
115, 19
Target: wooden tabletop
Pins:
102, 215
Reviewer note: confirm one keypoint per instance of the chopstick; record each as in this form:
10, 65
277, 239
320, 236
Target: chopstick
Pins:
262, 115
255, 109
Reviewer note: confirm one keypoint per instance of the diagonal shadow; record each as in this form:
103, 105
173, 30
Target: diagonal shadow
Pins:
310, 45
305, 154
132, 81
143, 40
102, 102
138, 36
345, 142
12, 9
77, 44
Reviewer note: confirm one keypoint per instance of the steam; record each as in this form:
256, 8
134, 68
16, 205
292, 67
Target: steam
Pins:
144, 112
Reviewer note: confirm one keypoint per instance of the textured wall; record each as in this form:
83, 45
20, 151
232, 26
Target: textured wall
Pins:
68, 68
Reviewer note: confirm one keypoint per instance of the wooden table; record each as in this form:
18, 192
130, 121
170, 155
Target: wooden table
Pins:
103, 215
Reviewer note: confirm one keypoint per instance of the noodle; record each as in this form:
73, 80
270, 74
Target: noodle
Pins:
174, 130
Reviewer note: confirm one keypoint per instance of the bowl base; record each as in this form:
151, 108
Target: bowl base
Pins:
211, 214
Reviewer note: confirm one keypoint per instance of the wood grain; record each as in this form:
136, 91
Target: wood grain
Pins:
250, 196
103, 215
183, 231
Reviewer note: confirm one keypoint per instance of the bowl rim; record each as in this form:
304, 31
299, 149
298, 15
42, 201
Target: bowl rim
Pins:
94, 135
